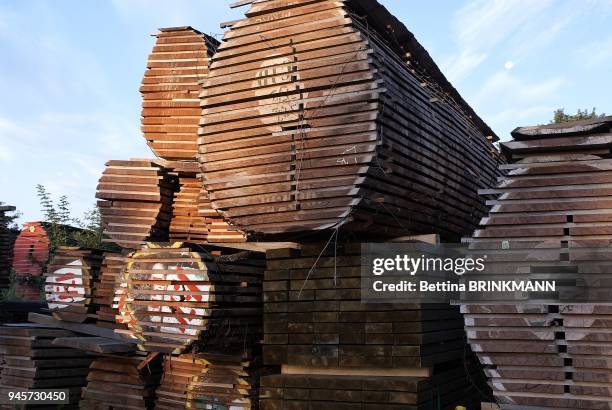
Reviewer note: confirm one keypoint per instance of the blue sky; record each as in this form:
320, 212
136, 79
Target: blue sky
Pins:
70, 72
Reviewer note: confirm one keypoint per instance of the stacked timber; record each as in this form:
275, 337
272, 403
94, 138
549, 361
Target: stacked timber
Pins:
314, 118
31, 361
122, 382
550, 219
69, 283
208, 381
178, 294
6, 245
30, 255
135, 201
170, 107
112, 268
337, 352
193, 219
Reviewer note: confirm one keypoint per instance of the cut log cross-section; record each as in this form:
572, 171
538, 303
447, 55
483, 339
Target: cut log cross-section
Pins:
69, 283
176, 295
30, 257
550, 219
135, 201
170, 107
311, 119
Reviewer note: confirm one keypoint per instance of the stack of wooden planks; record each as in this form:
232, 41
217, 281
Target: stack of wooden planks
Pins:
170, 107
135, 201
550, 219
319, 114
32, 362
30, 256
122, 382
69, 283
208, 381
409, 356
112, 268
6, 245
193, 219
178, 294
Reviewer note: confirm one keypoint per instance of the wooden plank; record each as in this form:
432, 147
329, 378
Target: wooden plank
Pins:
96, 344
75, 327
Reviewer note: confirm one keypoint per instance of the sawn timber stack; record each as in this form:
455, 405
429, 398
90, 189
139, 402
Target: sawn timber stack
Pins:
113, 265
135, 201
69, 283
335, 350
550, 218
31, 362
322, 113
6, 245
180, 294
122, 382
30, 257
193, 218
170, 106
210, 381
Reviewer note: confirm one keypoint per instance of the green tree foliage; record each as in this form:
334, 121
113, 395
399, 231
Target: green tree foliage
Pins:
63, 229
560, 116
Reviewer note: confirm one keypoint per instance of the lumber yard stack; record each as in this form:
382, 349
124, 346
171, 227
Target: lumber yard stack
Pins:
321, 113
113, 265
122, 382
30, 256
135, 201
337, 352
208, 380
550, 219
178, 294
69, 283
310, 118
6, 245
31, 361
170, 87
193, 218
201, 304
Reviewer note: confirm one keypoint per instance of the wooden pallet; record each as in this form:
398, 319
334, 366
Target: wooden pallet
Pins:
205, 380
32, 362
316, 326
122, 382
69, 283
313, 118
170, 106
549, 219
6, 245
135, 201
112, 268
174, 295
30, 257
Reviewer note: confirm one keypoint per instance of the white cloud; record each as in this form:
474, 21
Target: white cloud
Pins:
518, 27
598, 52
507, 100
512, 88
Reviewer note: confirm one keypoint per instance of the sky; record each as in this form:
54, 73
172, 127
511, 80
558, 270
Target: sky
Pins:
70, 72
